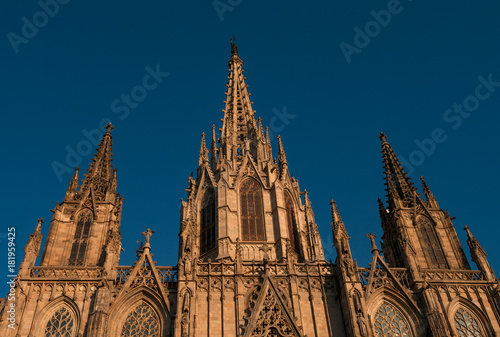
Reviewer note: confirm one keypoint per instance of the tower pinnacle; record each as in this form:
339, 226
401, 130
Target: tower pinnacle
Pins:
100, 174
400, 189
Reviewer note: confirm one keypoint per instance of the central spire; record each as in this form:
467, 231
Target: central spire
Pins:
240, 132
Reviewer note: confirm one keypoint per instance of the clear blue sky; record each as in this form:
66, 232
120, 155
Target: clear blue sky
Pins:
70, 73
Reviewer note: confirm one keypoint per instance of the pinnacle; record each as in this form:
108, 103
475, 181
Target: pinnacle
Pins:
398, 184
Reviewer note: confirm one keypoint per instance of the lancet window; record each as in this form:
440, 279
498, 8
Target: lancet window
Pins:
143, 322
61, 324
430, 244
207, 222
293, 232
389, 322
80, 239
466, 324
252, 216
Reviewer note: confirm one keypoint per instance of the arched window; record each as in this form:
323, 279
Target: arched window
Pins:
143, 321
430, 244
61, 324
80, 239
293, 232
252, 217
389, 322
208, 226
466, 324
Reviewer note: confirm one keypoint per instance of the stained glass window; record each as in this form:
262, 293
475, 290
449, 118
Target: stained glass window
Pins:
292, 223
389, 322
252, 217
80, 239
60, 324
466, 324
142, 322
430, 244
208, 225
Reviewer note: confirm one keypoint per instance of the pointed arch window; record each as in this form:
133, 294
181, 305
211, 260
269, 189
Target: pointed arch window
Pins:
430, 243
208, 228
293, 231
390, 322
466, 324
252, 215
80, 239
142, 321
61, 324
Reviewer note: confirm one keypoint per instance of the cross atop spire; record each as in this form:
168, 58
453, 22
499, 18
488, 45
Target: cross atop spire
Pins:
234, 48
399, 186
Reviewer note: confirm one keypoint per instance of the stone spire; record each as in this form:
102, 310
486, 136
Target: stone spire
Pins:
203, 151
400, 190
73, 185
101, 175
479, 256
337, 223
31, 250
341, 243
213, 150
283, 164
239, 124
431, 200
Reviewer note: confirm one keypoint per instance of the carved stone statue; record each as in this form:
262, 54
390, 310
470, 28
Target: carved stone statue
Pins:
363, 330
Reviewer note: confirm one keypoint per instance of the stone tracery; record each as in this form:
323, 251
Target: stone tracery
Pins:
389, 322
142, 322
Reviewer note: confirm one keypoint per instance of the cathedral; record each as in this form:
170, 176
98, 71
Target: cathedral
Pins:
250, 259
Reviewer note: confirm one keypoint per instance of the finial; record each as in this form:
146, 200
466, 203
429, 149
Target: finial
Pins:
109, 127
234, 48
372, 237
467, 229
40, 222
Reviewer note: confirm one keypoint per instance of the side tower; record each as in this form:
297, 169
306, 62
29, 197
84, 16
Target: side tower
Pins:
251, 261
417, 233
423, 284
70, 290
89, 214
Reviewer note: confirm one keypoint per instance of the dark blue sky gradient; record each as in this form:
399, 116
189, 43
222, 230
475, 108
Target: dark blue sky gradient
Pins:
427, 58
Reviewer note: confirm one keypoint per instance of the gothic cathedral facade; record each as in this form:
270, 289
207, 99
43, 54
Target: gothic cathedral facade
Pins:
250, 260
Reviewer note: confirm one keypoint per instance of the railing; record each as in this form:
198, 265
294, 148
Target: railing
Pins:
67, 272
436, 275
259, 268
452, 275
